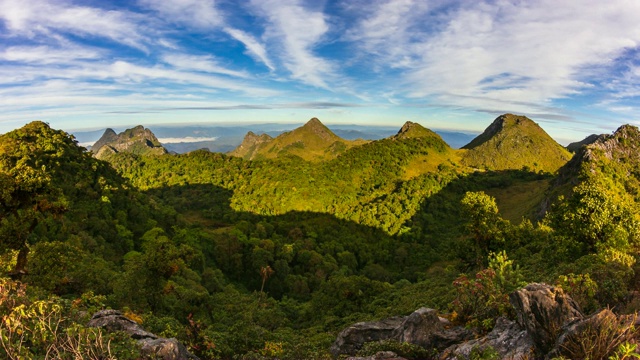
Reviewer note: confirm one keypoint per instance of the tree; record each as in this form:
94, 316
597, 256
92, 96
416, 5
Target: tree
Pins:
26, 193
484, 223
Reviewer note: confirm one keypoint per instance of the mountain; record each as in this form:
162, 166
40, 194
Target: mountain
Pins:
313, 141
515, 142
137, 140
575, 146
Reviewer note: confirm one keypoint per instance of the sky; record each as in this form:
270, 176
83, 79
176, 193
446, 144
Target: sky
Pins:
572, 66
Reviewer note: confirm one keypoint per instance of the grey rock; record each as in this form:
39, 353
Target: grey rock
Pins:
423, 328
419, 327
507, 338
150, 344
351, 339
542, 310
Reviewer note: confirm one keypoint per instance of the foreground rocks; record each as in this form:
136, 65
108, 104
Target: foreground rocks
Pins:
548, 323
151, 346
423, 327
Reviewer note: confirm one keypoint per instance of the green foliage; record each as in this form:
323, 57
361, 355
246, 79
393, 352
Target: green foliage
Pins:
50, 328
625, 351
481, 300
485, 353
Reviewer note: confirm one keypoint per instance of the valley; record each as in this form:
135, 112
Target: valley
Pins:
270, 250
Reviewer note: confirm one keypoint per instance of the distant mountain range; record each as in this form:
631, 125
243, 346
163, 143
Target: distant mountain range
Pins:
183, 139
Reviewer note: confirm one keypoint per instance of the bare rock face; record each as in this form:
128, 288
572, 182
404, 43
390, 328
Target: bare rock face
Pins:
351, 339
542, 310
423, 328
507, 338
151, 345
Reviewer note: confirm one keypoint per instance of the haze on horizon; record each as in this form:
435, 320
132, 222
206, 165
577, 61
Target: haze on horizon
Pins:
573, 67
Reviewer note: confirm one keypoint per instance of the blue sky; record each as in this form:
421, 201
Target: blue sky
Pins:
572, 66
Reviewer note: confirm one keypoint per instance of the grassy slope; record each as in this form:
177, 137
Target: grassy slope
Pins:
514, 142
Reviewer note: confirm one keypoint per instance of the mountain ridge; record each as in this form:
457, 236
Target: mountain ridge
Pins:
313, 142
136, 140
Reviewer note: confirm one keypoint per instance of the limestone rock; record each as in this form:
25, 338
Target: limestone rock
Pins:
423, 328
351, 339
509, 339
542, 310
151, 345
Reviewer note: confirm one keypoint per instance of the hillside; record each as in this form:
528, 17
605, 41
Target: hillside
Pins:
313, 142
272, 259
515, 142
137, 140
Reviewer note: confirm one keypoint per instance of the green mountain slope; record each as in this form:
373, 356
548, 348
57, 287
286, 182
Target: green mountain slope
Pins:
514, 142
313, 142
137, 140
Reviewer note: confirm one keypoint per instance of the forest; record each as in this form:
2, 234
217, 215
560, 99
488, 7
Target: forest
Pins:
272, 258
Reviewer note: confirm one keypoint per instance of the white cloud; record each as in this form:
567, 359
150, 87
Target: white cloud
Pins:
255, 49
41, 17
296, 31
200, 14
188, 139
529, 53
48, 55
510, 54
205, 63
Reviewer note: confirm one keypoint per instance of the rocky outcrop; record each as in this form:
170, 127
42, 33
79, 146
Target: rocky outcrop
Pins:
542, 310
423, 327
351, 339
548, 324
507, 338
151, 345
137, 140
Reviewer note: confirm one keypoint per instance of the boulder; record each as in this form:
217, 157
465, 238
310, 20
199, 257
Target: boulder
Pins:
151, 345
351, 339
542, 310
423, 328
507, 338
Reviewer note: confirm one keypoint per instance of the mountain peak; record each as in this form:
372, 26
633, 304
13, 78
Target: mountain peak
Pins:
137, 140
313, 141
414, 130
514, 142
502, 123
317, 128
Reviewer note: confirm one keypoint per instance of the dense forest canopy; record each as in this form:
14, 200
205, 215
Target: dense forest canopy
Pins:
270, 258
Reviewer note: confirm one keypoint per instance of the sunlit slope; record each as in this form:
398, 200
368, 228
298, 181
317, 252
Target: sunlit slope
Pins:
312, 142
515, 142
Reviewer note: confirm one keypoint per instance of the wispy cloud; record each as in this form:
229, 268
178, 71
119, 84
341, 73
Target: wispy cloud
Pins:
40, 17
296, 31
254, 48
204, 63
201, 14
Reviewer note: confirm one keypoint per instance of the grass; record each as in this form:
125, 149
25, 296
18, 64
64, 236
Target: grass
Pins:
519, 200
